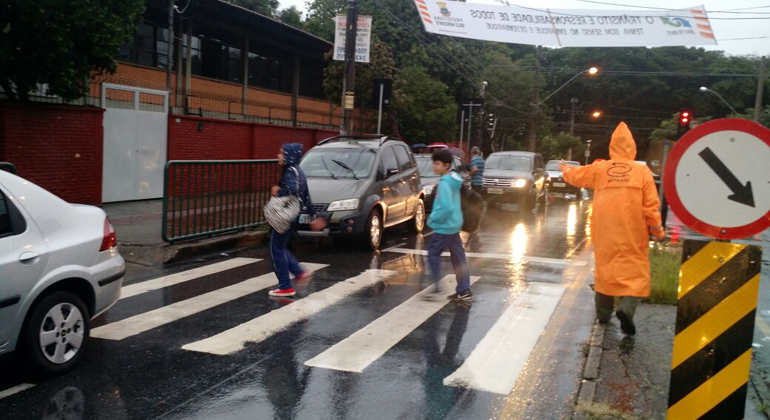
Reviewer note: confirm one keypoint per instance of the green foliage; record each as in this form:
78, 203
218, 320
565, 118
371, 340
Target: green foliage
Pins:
263, 7
764, 115
61, 43
664, 274
669, 128
557, 146
424, 109
291, 16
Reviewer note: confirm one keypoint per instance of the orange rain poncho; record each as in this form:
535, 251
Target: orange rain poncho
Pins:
625, 211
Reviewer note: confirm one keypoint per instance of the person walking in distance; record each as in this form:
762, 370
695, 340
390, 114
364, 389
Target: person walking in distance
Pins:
446, 220
477, 169
625, 214
293, 182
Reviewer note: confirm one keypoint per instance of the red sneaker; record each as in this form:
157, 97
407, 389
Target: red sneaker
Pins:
305, 276
282, 292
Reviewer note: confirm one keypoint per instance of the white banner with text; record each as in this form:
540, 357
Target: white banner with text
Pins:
567, 28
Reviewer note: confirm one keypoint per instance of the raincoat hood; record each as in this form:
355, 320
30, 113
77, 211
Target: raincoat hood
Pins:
622, 145
292, 153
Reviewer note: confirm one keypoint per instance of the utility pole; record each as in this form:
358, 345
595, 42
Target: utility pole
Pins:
574, 102
170, 49
480, 130
462, 127
350, 66
760, 89
534, 104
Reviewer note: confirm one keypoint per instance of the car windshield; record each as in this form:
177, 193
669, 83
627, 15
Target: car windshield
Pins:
509, 163
338, 163
425, 165
553, 165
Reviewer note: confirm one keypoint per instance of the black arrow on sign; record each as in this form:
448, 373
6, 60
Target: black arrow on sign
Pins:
741, 193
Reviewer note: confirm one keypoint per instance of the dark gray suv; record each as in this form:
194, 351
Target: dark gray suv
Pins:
516, 177
361, 185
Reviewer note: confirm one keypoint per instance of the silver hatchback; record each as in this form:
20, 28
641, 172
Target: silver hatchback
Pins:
59, 268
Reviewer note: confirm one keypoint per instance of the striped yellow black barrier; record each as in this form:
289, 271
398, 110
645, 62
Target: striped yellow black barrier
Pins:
718, 287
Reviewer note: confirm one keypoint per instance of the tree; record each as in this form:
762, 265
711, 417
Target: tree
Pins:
423, 107
263, 7
556, 146
61, 43
291, 16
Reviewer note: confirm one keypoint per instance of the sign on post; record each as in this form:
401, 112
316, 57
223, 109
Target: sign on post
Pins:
567, 27
363, 38
716, 180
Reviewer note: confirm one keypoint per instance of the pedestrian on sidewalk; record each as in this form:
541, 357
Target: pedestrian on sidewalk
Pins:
625, 214
477, 169
293, 182
446, 220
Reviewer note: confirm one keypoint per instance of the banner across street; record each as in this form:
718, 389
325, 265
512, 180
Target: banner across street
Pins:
567, 27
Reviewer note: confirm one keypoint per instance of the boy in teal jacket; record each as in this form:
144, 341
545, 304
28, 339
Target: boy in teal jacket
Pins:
446, 220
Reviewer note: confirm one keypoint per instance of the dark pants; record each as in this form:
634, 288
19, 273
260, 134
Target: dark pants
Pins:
605, 305
438, 244
283, 261
476, 188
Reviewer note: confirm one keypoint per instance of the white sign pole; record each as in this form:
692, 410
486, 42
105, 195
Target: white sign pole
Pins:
379, 115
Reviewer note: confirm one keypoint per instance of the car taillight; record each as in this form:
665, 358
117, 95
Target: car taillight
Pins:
110, 238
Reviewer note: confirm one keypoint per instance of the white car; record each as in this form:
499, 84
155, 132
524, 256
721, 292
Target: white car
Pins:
59, 268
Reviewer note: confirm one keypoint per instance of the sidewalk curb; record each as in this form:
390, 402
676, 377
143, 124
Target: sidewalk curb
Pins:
590, 372
152, 255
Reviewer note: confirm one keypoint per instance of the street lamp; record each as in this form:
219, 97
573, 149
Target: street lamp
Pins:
705, 89
592, 71
596, 114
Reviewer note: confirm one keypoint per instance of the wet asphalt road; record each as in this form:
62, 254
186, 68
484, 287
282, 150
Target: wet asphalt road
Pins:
148, 375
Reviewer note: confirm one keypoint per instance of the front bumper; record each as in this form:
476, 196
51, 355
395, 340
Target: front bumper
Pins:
504, 194
345, 223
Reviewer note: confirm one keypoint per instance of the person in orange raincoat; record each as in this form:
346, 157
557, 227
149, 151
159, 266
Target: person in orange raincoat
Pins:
625, 214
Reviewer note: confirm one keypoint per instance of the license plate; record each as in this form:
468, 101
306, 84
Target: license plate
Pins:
494, 190
559, 184
305, 219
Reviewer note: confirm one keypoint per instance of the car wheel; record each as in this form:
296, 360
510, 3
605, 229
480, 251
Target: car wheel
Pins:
417, 224
56, 333
373, 234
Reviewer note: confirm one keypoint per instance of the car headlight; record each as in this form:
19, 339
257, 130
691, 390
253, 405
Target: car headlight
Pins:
519, 183
428, 189
351, 204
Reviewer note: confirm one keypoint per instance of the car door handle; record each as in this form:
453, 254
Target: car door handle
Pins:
29, 258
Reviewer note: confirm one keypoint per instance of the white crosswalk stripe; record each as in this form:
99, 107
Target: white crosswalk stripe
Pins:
534, 260
181, 277
498, 359
143, 322
15, 390
368, 344
267, 325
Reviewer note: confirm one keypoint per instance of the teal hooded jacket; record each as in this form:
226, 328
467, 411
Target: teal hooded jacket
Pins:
447, 215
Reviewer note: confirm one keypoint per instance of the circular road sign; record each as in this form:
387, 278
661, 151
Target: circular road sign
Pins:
717, 178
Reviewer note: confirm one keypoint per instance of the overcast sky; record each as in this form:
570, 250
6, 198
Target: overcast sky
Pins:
723, 29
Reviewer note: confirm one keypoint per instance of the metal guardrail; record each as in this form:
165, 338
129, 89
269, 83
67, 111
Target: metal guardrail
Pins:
8, 167
207, 197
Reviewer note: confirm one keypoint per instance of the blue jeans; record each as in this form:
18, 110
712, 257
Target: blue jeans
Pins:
438, 244
283, 261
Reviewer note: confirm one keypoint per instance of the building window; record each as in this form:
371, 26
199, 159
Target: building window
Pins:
195, 52
148, 46
270, 68
311, 78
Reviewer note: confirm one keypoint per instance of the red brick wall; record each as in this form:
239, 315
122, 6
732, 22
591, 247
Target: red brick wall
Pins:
58, 147
195, 138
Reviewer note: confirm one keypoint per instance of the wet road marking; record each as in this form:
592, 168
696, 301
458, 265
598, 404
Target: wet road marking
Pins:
763, 326
181, 277
368, 344
265, 326
498, 359
394, 247
15, 390
146, 321
537, 260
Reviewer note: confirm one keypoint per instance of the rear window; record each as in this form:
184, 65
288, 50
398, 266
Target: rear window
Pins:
5, 217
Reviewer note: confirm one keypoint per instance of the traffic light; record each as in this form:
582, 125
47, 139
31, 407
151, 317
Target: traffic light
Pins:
685, 118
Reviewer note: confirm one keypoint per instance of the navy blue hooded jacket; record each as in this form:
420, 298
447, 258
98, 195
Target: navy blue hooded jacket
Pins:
293, 180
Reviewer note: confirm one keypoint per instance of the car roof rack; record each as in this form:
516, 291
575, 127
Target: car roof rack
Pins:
381, 137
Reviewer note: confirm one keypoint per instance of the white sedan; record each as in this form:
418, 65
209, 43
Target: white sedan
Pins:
59, 268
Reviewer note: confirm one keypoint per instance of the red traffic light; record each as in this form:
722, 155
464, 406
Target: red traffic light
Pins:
685, 114
685, 117
684, 120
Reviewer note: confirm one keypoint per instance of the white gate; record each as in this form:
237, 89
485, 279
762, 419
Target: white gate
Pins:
135, 142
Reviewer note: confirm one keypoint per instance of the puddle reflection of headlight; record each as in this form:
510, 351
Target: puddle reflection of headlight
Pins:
518, 243
572, 220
